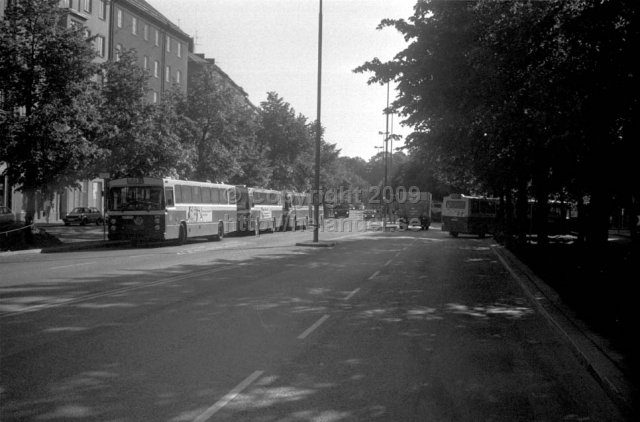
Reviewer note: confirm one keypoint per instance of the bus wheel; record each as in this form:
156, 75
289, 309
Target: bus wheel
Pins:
182, 235
454, 234
220, 231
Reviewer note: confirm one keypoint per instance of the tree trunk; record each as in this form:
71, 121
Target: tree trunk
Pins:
540, 215
521, 213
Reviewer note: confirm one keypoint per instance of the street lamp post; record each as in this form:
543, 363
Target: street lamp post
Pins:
316, 210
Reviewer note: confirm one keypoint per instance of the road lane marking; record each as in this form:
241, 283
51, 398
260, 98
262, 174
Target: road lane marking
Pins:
350, 295
228, 397
72, 265
387, 263
374, 275
313, 327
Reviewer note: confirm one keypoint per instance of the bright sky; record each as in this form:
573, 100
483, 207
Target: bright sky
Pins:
272, 45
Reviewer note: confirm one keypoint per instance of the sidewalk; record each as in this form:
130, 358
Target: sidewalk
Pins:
592, 350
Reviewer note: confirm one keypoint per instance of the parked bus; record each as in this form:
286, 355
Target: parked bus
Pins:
147, 208
266, 209
469, 215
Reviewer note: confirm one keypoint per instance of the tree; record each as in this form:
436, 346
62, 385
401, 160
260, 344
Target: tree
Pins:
137, 138
532, 99
287, 143
46, 91
224, 132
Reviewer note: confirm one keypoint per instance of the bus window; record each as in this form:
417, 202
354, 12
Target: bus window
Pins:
168, 197
196, 195
458, 205
186, 193
217, 196
206, 195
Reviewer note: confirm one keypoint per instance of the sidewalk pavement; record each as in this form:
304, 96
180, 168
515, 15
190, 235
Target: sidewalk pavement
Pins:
593, 351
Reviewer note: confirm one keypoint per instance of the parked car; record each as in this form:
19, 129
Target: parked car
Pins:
6, 216
82, 216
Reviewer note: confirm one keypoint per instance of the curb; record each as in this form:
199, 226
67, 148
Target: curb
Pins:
90, 244
591, 350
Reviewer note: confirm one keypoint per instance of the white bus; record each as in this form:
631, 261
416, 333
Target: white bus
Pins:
146, 208
266, 209
469, 215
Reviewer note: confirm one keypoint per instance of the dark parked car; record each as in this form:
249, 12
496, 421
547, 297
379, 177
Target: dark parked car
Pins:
6, 216
82, 216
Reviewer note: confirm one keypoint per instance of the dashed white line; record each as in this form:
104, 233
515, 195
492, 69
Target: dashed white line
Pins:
387, 263
228, 397
350, 295
313, 327
374, 275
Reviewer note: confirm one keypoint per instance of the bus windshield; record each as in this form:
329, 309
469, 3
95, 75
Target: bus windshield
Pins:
132, 198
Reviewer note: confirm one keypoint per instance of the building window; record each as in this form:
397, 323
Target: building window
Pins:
87, 6
118, 51
146, 63
119, 18
134, 25
145, 31
179, 49
100, 45
155, 97
178, 76
156, 68
64, 3
157, 37
168, 41
167, 74
102, 9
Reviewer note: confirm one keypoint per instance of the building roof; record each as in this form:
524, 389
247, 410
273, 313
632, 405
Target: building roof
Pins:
146, 8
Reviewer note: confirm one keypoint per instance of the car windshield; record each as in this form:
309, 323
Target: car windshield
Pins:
77, 211
131, 198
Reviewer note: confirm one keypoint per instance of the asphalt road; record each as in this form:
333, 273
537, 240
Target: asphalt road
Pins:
403, 326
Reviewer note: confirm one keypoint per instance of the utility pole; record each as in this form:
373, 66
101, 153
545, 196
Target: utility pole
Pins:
384, 188
316, 210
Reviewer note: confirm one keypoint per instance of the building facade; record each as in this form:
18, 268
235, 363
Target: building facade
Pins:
162, 47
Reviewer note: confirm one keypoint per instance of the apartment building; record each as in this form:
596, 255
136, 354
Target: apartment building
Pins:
197, 62
161, 46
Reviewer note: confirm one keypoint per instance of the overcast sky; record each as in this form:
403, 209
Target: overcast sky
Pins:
272, 45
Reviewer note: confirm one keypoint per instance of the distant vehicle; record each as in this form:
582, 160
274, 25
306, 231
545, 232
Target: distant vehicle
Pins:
6, 216
368, 214
415, 210
341, 211
469, 214
83, 216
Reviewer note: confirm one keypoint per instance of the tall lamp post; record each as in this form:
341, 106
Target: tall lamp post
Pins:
316, 210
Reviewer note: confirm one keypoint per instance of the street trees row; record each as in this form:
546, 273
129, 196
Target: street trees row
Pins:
523, 99
64, 117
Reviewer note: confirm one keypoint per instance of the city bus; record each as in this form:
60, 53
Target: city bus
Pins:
266, 209
469, 215
145, 208
298, 209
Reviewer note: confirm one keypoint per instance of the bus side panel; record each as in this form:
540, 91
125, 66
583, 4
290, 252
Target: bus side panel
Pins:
482, 225
455, 224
